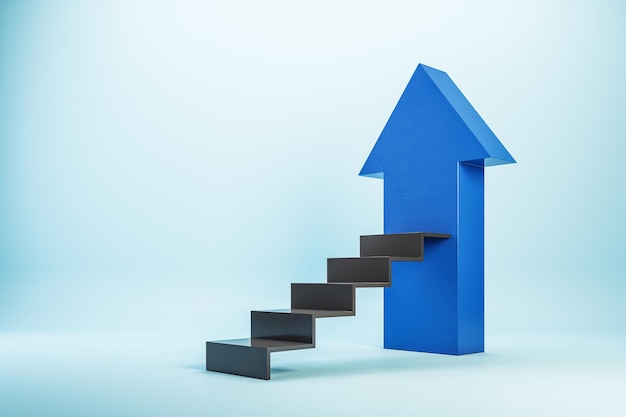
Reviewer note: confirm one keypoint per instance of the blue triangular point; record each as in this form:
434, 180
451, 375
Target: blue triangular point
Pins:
409, 123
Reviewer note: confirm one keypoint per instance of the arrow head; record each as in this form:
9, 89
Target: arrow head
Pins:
433, 121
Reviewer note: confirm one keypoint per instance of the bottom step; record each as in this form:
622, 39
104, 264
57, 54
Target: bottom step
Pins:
247, 357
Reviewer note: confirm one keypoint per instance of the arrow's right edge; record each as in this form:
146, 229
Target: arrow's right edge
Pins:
471, 259
497, 153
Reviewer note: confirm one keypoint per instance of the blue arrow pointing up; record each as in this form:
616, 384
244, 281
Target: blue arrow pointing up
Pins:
431, 154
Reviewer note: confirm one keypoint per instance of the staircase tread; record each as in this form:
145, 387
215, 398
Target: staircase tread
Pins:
314, 313
437, 235
425, 234
370, 284
272, 345
407, 258
393, 258
353, 283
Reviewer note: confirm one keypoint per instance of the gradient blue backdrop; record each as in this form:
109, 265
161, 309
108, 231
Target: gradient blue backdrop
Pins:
170, 165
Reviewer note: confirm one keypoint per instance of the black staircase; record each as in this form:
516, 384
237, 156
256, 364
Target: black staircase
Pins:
294, 328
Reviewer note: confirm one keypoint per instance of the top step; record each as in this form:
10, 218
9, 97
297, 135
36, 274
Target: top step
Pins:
398, 246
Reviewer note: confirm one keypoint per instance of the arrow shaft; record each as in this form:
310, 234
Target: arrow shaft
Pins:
437, 305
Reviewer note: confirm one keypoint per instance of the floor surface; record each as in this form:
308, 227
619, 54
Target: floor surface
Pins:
106, 374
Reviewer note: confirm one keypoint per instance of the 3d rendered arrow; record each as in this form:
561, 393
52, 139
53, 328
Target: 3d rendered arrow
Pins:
431, 155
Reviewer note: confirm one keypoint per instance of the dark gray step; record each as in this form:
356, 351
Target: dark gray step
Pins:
246, 357
364, 271
270, 331
315, 313
271, 345
323, 296
283, 325
399, 246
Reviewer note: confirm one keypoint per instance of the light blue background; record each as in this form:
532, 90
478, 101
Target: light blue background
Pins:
167, 166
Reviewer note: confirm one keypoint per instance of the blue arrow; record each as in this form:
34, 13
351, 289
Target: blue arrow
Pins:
431, 155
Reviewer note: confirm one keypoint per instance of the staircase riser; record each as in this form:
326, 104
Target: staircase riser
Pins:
238, 360
348, 270
291, 327
322, 296
409, 245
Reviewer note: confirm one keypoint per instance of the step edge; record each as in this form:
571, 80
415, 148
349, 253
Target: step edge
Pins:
289, 344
